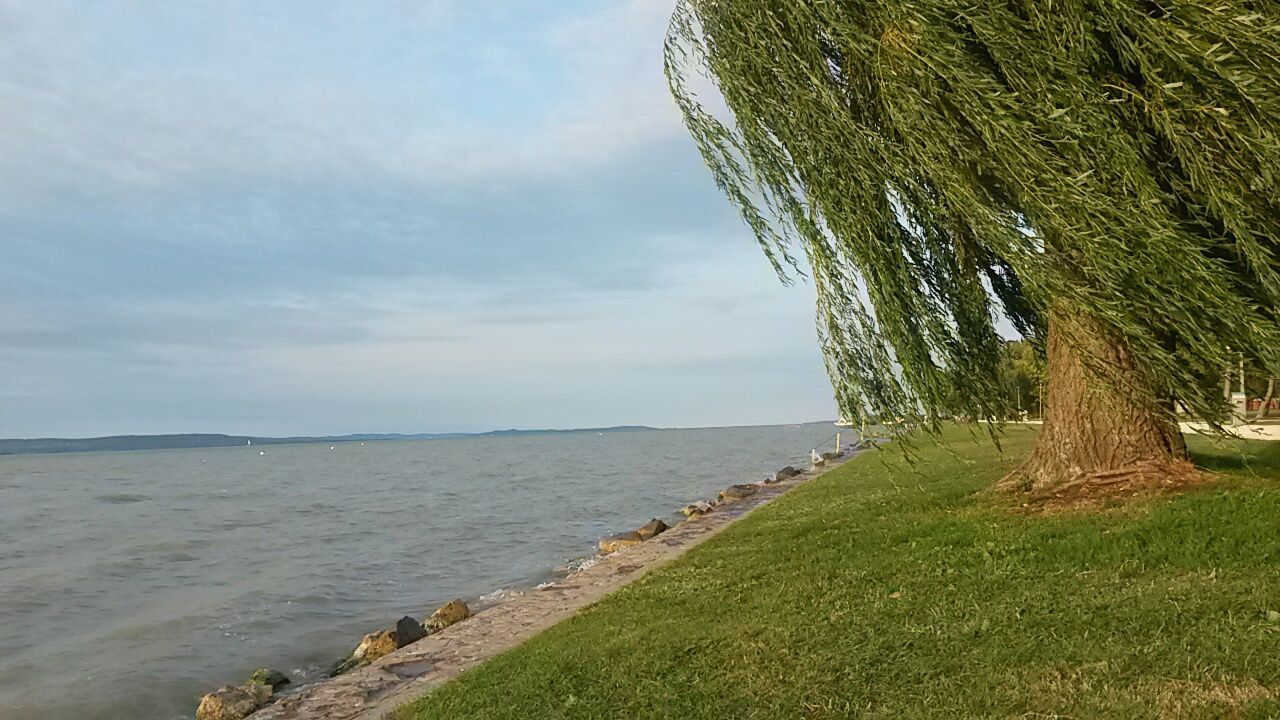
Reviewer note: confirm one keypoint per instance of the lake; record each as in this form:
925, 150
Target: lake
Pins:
133, 582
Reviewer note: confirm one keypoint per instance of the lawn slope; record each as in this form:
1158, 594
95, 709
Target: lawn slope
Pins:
883, 590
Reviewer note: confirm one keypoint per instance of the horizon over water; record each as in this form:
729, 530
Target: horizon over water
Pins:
39, 444
135, 581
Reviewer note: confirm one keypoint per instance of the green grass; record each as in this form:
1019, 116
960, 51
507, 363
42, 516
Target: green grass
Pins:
886, 591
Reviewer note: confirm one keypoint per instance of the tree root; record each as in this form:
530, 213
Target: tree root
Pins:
1041, 490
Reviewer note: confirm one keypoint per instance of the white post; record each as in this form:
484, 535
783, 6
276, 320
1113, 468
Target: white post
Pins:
837, 443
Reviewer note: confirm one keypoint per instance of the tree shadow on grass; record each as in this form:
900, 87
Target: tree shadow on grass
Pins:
1259, 458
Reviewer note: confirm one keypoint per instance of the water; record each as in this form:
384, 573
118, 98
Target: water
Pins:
133, 582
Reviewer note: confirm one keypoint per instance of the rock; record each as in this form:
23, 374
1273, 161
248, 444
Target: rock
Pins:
828, 456
785, 473
614, 543
406, 632
1273, 616
738, 492
409, 631
233, 702
375, 645
697, 510
271, 678
454, 611
653, 528
371, 647
345, 666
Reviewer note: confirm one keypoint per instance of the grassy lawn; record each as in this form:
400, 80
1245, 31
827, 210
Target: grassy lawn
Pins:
886, 591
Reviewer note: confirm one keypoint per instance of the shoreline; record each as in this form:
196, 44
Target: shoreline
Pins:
905, 589
373, 691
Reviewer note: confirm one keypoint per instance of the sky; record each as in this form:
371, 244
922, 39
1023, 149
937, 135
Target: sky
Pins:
302, 218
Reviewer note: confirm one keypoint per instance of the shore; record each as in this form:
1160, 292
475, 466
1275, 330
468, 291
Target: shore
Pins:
888, 589
377, 689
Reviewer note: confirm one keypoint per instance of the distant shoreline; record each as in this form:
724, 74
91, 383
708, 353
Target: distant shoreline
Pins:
194, 441
187, 441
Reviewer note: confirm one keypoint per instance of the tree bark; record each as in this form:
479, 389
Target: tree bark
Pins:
1265, 408
1095, 433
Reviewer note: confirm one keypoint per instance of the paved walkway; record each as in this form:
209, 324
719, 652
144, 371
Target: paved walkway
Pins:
372, 692
1248, 432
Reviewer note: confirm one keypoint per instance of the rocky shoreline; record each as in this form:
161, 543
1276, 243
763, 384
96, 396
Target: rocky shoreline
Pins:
395, 664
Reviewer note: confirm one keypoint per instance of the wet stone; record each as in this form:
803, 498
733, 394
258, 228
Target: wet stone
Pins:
269, 677
233, 702
452, 612
653, 528
614, 543
738, 492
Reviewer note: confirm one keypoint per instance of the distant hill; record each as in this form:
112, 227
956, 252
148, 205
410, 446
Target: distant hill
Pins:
208, 440
615, 428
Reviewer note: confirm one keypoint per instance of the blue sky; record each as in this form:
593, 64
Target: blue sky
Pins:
408, 215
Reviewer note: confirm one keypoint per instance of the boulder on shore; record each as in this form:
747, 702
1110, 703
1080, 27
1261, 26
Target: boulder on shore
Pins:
379, 644
234, 702
827, 456
653, 528
269, 677
371, 647
693, 511
452, 612
409, 631
375, 645
614, 543
738, 492
785, 473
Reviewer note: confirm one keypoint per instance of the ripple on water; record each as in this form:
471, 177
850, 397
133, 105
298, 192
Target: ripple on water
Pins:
122, 498
178, 557
234, 563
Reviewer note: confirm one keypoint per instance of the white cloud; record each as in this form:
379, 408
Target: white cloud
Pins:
94, 120
288, 218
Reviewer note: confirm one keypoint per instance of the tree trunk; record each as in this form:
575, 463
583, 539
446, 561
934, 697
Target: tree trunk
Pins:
1265, 407
1095, 435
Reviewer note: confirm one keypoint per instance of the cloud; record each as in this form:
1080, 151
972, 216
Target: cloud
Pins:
98, 121
284, 218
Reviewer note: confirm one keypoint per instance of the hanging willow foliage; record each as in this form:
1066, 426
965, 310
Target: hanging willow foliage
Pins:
942, 163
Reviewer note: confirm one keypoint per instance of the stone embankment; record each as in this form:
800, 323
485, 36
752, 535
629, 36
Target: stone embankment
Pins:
392, 666
236, 702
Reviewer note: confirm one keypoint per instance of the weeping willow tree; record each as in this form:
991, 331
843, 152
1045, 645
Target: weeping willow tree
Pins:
1101, 173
